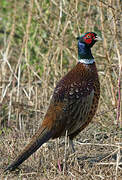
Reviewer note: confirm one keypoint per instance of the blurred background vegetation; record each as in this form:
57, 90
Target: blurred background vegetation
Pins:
37, 47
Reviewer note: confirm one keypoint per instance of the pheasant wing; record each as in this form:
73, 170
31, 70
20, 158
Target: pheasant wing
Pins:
69, 107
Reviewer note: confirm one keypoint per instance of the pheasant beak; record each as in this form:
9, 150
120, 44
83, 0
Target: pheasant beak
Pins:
97, 38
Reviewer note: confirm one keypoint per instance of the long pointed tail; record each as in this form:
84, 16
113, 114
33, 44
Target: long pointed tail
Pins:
42, 136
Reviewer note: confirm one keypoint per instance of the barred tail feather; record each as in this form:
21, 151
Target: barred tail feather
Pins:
37, 140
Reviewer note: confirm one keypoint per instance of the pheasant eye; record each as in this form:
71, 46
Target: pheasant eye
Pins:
88, 36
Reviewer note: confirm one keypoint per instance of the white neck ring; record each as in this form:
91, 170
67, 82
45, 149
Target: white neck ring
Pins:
86, 61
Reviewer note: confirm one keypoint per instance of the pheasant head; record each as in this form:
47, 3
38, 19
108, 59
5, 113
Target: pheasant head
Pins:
85, 43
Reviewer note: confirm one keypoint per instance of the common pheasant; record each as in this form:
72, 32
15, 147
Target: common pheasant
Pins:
73, 104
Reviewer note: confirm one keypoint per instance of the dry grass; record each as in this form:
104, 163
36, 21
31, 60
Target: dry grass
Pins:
38, 46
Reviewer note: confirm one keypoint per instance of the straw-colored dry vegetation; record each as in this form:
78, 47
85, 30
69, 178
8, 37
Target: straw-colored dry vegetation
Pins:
37, 47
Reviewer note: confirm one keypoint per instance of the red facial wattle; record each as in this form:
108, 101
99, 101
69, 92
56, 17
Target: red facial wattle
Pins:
89, 38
